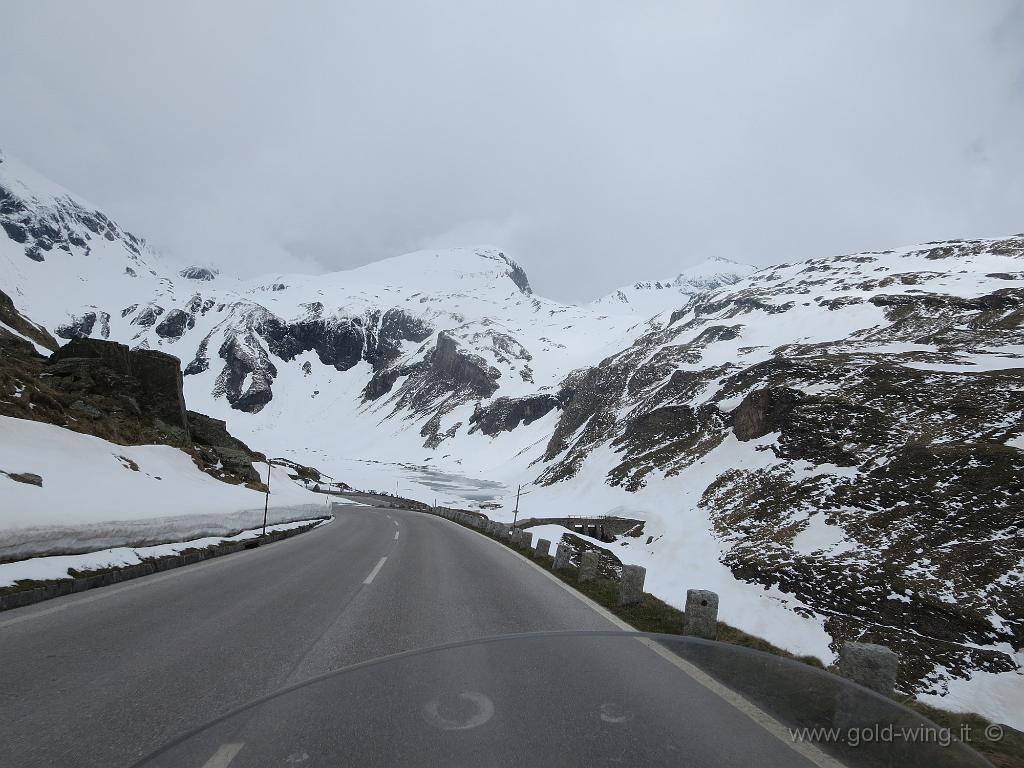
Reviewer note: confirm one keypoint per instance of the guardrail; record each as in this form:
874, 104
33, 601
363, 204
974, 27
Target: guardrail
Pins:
872, 666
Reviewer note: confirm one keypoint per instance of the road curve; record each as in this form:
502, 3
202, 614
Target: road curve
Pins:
101, 678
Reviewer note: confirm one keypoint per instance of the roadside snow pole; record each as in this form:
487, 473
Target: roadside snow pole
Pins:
870, 665
525, 539
561, 557
631, 587
543, 548
266, 501
701, 619
588, 566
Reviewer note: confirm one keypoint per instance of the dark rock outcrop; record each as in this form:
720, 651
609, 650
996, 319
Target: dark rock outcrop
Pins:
175, 324
149, 377
148, 315
85, 325
432, 431
160, 376
13, 319
220, 450
383, 381
518, 275
117, 357
28, 478
198, 273
125, 396
247, 375
507, 413
462, 369
342, 342
63, 224
762, 411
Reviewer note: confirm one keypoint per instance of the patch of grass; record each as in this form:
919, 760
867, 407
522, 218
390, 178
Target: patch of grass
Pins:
652, 614
23, 584
1006, 752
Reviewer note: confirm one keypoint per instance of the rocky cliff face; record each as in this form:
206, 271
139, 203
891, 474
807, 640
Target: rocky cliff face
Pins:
15, 326
129, 397
63, 224
504, 414
150, 378
250, 337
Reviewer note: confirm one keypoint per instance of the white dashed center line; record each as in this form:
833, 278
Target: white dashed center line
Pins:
376, 569
222, 757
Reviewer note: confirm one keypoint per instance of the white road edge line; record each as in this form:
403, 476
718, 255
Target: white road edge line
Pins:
751, 710
222, 757
396, 535
395, 522
376, 569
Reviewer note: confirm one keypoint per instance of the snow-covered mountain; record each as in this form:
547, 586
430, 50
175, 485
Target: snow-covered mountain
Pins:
836, 446
652, 297
407, 340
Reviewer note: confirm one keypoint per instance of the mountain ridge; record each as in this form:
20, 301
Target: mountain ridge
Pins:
833, 445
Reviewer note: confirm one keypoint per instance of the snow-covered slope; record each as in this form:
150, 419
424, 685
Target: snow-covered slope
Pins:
96, 494
835, 446
652, 297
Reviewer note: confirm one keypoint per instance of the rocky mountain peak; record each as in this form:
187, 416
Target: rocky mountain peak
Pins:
203, 274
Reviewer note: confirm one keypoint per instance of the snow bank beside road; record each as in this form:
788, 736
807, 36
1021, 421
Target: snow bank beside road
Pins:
97, 494
56, 567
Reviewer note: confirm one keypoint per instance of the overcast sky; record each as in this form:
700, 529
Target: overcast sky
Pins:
599, 143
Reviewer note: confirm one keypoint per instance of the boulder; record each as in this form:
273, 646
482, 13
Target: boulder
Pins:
29, 478
762, 411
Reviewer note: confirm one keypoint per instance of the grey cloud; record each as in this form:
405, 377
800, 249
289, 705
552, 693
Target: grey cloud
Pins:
598, 142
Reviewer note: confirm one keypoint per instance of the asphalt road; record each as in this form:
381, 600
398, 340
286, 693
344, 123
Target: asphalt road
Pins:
101, 678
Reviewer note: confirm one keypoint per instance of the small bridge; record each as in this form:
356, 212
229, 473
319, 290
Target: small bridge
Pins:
603, 527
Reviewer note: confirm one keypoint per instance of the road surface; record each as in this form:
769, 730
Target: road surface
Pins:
101, 678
